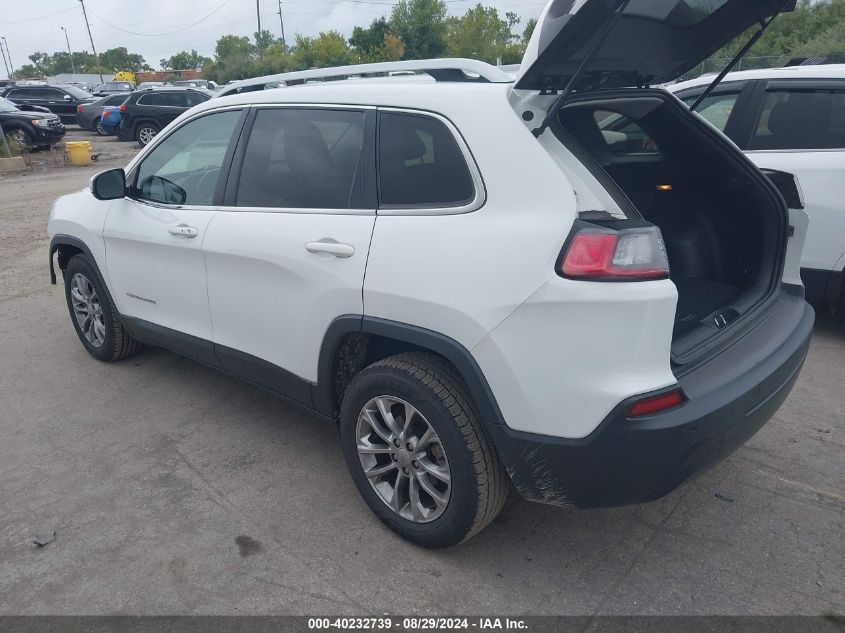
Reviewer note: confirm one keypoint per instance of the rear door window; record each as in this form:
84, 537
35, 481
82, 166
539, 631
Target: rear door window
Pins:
421, 163
195, 98
715, 109
113, 101
303, 158
801, 120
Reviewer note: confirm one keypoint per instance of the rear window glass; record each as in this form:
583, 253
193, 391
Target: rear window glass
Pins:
715, 109
624, 136
801, 119
421, 164
302, 158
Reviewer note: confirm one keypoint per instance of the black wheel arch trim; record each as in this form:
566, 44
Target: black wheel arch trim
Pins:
68, 240
414, 335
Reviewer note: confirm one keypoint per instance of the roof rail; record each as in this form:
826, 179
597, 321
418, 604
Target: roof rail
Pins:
447, 69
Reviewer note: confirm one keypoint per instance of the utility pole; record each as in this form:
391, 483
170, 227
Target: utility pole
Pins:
91, 37
282, 23
257, 13
69, 52
9, 55
2, 52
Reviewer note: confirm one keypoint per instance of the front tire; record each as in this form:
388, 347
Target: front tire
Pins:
20, 141
417, 451
93, 314
145, 133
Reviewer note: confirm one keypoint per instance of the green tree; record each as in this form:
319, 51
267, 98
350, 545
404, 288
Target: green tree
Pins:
481, 33
376, 43
183, 60
329, 48
119, 58
367, 41
421, 25
527, 32
263, 39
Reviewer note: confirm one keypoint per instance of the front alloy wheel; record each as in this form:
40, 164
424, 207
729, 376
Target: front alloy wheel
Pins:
403, 459
87, 309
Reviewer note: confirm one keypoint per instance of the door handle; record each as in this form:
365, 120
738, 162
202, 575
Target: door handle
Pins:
183, 230
331, 247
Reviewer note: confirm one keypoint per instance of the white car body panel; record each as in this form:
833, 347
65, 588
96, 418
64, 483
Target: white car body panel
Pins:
821, 174
82, 216
269, 296
155, 275
571, 353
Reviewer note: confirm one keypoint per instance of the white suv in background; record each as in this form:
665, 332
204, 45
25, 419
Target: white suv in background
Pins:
792, 119
478, 285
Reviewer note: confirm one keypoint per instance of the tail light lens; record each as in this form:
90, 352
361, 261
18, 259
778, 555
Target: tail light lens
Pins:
106, 114
655, 404
78, 109
122, 107
602, 254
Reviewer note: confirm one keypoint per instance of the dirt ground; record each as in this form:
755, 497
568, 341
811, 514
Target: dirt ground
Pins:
174, 489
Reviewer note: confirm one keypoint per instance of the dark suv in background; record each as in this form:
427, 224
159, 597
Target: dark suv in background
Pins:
146, 112
60, 100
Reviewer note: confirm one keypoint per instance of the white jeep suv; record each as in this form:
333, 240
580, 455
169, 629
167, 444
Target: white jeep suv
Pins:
474, 281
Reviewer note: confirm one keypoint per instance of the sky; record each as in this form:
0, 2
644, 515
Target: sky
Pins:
158, 28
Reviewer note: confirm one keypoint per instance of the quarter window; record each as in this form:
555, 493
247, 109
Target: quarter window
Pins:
184, 167
801, 119
302, 158
623, 135
420, 163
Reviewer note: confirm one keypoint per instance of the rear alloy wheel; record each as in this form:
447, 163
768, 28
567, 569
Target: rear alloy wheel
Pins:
417, 452
20, 141
98, 126
145, 133
403, 459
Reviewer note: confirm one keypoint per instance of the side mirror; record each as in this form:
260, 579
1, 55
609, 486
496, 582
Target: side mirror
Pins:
109, 185
66, 97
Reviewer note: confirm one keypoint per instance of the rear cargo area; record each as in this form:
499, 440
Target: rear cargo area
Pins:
723, 225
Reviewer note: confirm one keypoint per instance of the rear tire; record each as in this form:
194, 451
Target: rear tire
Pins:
145, 133
93, 314
98, 127
467, 482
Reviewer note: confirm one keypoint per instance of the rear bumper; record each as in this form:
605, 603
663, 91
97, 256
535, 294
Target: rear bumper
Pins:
627, 461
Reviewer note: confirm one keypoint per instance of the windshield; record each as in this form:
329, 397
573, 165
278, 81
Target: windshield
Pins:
76, 92
6, 106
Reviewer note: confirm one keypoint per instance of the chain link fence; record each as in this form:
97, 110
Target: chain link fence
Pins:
715, 65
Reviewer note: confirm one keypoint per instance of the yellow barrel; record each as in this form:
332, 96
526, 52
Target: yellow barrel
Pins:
78, 152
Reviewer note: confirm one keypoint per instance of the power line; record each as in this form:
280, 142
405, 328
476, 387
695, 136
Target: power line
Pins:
43, 17
179, 30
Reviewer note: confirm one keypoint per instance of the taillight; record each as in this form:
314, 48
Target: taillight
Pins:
655, 404
627, 254
122, 107
78, 109
105, 114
